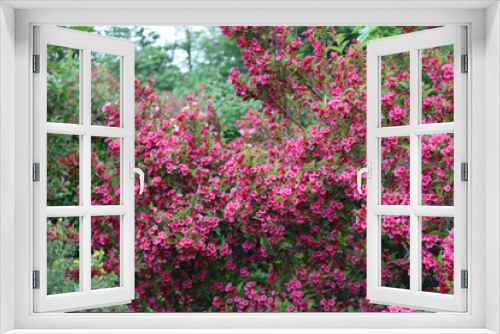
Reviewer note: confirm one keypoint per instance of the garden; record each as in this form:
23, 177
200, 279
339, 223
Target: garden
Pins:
251, 143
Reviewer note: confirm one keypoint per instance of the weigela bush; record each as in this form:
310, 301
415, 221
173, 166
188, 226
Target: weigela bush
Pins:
272, 221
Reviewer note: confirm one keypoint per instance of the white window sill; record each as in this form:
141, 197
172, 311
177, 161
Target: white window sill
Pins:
251, 331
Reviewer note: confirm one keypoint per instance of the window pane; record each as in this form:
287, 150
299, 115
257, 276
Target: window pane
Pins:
437, 254
395, 89
437, 84
105, 171
105, 89
105, 252
437, 169
395, 170
63, 255
395, 232
63, 84
63, 170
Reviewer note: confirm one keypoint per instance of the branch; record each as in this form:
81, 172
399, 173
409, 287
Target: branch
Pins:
285, 111
288, 113
287, 266
320, 293
184, 186
316, 93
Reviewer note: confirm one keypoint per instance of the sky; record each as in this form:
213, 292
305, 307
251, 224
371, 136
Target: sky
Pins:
167, 34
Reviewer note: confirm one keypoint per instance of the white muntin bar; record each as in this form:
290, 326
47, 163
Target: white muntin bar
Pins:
77, 129
419, 210
414, 170
93, 210
86, 170
420, 129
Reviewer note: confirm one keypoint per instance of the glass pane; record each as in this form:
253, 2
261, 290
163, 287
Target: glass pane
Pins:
105, 89
437, 254
63, 170
437, 84
395, 170
395, 252
105, 252
437, 169
63, 84
63, 255
105, 171
395, 89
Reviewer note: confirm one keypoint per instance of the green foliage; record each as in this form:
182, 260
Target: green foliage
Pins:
347, 33
228, 106
210, 58
63, 86
368, 33
63, 170
62, 254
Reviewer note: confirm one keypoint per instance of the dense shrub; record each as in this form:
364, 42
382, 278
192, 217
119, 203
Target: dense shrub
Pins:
272, 221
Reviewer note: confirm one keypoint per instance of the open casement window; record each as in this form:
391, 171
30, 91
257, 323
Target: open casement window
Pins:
416, 143
84, 151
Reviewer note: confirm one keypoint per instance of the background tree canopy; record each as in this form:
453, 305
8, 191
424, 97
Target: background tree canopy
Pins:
204, 58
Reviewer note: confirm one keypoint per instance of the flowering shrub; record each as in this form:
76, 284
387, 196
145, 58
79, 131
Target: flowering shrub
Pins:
272, 221
62, 255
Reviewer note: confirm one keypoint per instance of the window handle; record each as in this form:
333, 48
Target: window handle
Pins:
141, 176
368, 171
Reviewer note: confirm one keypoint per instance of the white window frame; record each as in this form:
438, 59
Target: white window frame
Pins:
86, 43
483, 21
413, 44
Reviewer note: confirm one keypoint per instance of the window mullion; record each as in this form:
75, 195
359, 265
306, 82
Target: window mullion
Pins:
79, 211
396, 131
77, 129
66, 129
102, 131
414, 170
406, 210
421, 129
85, 161
431, 129
85, 170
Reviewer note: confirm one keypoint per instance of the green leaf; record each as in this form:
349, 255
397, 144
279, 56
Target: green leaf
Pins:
264, 242
183, 212
239, 287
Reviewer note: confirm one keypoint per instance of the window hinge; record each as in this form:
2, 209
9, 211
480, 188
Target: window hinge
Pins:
36, 279
36, 63
36, 172
465, 279
464, 173
465, 64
